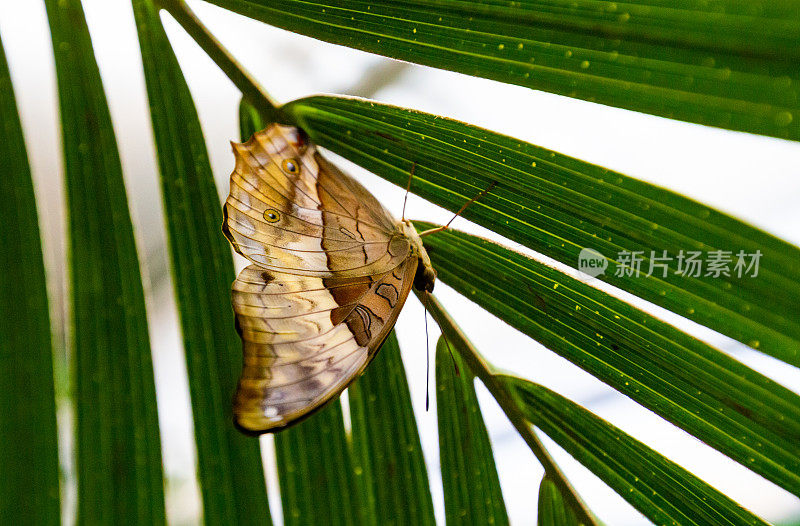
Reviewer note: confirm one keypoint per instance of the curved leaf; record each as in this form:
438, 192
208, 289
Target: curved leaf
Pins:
558, 205
471, 487
728, 64
722, 402
660, 489
229, 464
553, 509
386, 446
315, 471
251, 90
29, 452
118, 449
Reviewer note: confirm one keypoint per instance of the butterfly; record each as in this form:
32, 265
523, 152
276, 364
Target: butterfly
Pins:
330, 270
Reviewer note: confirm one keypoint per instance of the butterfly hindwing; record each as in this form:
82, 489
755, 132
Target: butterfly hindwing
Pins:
307, 338
290, 210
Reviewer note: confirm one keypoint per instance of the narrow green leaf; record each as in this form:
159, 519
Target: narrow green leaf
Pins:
660, 489
315, 471
29, 451
386, 445
729, 64
315, 467
558, 205
247, 84
118, 450
469, 476
482, 370
720, 401
553, 509
230, 470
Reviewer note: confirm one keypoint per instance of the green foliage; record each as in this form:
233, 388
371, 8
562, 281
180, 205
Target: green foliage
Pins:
660, 489
728, 63
663, 491
118, 449
229, 463
386, 446
471, 488
558, 205
28, 445
483, 371
553, 509
316, 473
720, 401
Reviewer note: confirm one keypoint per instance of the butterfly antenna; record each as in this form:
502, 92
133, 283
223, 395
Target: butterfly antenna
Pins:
477, 196
446, 341
450, 350
408, 188
427, 353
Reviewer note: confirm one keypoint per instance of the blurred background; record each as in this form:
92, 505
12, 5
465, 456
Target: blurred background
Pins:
754, 178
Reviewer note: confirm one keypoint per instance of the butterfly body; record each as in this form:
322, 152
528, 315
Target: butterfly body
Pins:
330, 271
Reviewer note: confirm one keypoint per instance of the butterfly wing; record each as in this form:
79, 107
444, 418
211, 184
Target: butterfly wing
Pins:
331, 271
307, 338
290, 210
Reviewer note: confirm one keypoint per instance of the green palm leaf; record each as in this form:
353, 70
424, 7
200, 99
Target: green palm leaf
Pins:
29, 455
660, 489
315, 471
553, 510
386, 445
722, 402
728, 64
471, 488
118, 450
558, 205
229, 464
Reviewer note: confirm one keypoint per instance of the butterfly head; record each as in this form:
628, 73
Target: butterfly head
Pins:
425, 277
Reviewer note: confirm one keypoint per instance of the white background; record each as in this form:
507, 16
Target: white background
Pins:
754, 178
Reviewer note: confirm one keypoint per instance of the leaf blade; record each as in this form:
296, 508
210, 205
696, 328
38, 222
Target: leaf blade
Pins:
229, 464
717, 399
386, 444
469, 475
29, 488
553, 510
663, 491
559, 205
315, 471
728, 65
657, 487
118, 450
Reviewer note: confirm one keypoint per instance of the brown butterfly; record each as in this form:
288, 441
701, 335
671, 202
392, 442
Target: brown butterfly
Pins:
330, 271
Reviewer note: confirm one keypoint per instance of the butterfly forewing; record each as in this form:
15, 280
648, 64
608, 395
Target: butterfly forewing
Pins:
330, 272
290, 210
